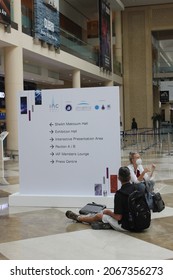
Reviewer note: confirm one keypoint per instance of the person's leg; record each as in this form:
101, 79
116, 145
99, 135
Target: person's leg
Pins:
90, 218
84, 218
150, 185
112, 222
141, 187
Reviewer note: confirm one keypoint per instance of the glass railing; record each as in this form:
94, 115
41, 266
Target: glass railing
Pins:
165, 69
74, 45
78, 47
117, 68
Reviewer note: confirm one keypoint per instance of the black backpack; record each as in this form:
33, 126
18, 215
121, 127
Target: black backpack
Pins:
139, 216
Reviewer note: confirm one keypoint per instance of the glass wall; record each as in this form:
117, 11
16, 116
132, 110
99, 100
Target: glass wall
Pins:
162, 51
27, 16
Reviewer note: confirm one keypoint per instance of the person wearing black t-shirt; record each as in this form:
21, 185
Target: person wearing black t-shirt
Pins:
117, 219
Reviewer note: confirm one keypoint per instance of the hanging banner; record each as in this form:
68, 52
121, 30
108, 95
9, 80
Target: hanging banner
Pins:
69, 142
166, 91
105, 35
164, 96
5, 11
46, 14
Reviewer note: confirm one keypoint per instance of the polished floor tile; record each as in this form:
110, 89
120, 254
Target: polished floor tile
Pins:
85, 245
45, 233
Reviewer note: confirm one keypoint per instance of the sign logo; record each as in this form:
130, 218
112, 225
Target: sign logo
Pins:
53, 106
68, 107
83, 106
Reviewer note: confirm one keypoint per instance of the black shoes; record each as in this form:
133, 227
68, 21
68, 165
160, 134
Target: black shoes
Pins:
71, 215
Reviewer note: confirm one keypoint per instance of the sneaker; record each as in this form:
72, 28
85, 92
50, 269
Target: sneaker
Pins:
71, 215
100, 225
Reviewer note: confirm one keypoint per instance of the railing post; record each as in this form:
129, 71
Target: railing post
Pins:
137, 141
169, 144
141, 144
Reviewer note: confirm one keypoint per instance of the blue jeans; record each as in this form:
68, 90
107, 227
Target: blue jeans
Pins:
146, 186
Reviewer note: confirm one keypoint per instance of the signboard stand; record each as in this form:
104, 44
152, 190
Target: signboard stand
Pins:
3, 135
77, 147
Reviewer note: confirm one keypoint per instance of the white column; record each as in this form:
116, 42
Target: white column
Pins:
76, 79
17, 13
13, 68
118, 57
111, 41
118, 38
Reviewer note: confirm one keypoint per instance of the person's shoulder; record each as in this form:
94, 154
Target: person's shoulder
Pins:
130, 166
127, 188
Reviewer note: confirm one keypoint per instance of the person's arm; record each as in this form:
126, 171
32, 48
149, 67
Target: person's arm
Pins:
143, 173
108, 212
153, 167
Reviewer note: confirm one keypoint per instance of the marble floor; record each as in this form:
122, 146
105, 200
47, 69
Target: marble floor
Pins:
46, 234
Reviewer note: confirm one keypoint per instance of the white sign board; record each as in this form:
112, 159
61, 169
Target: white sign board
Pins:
69, 141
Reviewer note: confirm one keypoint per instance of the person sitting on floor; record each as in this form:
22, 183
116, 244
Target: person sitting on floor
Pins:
117, 219
140, 175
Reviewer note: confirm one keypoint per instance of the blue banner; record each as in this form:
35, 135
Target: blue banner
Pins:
46, 16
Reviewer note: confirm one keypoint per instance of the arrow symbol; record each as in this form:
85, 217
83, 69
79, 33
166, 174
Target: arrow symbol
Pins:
51, 124
52, 146
51, 131
52, 161
51, 139
52, 154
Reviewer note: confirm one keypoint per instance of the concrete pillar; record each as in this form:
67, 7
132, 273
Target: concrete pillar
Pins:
76, 79
118, 37
118, 58
16, 4
111, 41
13, 68
137, 67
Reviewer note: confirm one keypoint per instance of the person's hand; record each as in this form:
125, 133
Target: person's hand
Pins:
146, 170
107, 211
153, 167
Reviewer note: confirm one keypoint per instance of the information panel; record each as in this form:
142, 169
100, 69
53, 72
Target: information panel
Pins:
69, 141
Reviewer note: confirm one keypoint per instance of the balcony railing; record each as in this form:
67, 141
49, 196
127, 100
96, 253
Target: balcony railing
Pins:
78, 47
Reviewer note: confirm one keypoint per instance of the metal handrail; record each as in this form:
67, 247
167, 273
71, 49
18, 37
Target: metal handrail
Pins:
147, 138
